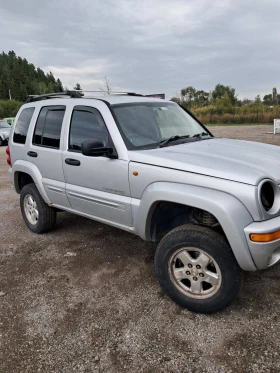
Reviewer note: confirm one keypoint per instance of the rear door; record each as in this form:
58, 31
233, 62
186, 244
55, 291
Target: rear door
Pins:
45, 152
96, 186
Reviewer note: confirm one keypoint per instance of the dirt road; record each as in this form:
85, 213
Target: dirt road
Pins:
84, 298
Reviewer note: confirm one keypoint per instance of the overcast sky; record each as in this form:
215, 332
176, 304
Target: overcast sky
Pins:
149, 46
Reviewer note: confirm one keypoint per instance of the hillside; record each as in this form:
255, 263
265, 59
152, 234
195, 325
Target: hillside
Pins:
23, 78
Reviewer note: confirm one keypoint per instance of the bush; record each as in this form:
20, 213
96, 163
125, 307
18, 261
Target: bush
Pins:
9, 108
233, 114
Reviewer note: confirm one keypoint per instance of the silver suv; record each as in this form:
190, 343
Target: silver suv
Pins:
151, 168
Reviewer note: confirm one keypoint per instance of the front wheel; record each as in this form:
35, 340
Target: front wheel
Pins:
197, 269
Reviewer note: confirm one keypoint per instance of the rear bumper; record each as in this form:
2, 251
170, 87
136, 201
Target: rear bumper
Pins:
264, 254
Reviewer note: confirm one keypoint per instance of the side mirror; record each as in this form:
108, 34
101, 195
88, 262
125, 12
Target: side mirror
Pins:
95, 148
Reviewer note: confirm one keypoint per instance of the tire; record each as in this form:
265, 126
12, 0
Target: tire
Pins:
1, 141
208, 289
38, 216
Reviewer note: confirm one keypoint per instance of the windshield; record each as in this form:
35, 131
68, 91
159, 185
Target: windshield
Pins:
4, 124
146, 125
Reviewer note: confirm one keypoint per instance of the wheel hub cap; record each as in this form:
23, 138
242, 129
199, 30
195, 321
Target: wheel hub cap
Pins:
195, 273
30, 209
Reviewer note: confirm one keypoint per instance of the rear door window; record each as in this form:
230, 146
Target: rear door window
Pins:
48, 127
22, 125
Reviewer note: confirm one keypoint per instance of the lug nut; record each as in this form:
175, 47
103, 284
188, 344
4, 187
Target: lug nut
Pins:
198, 266
188, 273
190, 265
195, 278
201, 275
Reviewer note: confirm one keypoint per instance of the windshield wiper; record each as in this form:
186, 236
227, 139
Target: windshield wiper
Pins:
199, 135
172, 138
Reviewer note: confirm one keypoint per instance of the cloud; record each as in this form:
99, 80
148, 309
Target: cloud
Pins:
149, 46
89, 74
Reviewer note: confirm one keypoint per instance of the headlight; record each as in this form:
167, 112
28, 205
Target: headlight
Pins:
269, 195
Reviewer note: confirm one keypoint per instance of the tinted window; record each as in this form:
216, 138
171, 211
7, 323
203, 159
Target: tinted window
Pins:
37, 138
22, 125
86, 123
48, 126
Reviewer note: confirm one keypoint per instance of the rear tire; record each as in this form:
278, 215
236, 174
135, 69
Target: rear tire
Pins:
1, 142
197, 269
38, 216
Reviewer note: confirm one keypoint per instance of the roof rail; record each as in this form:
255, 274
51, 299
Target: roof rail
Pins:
71, 94
110, 92
80, 94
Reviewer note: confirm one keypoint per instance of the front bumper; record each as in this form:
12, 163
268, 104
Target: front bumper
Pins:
264, 254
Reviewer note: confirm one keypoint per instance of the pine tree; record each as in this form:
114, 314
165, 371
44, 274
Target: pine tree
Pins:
23, 78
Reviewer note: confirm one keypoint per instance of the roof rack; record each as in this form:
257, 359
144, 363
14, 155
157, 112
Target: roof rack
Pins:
111, 92
71, 94
80, 94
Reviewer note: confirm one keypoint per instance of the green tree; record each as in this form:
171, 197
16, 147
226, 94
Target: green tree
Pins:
23, 78
274, 95
188, 95
258, 99
201, 98
78, 87
224, 104
59, 86
222, 91
268, 100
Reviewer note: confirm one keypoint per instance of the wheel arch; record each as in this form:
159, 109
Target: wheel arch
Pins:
231, 214
24, 173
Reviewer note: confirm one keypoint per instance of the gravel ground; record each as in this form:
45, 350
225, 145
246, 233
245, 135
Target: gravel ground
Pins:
100, 309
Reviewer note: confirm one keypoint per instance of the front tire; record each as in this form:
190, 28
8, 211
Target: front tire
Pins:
38, 216
197, 269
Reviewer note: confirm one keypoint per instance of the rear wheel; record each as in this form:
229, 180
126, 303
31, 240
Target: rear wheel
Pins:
197, 269
38, 216
1, 142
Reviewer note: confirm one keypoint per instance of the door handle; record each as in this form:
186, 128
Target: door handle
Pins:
32, 154
72, 162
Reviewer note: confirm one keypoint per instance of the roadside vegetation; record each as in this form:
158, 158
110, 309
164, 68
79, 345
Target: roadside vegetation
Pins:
221, 106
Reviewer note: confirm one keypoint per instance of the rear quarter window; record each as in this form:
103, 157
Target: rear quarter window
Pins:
22, 125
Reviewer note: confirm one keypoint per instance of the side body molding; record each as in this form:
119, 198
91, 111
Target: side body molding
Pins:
228, 210
33, 171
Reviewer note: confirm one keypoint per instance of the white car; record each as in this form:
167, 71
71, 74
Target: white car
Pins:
5, 130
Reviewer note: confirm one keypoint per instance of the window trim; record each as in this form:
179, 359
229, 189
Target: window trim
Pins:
49, 108
90, 109
13, 134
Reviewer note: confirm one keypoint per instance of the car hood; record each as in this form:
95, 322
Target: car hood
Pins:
7, 130
242, 161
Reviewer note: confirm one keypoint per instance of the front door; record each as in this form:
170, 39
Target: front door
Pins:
96, 186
